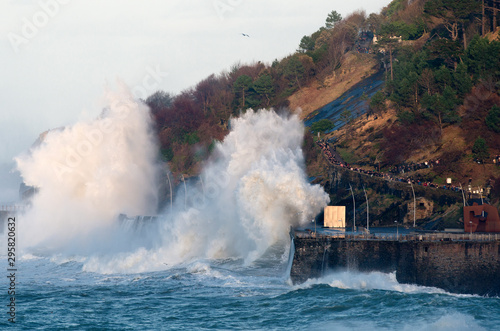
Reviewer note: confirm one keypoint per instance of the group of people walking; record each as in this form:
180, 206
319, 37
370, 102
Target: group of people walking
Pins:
334, 158
407, 167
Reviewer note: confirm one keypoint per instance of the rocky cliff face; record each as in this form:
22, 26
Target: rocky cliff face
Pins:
455, 266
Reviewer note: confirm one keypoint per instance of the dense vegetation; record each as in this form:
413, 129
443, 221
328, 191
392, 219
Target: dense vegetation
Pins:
435, 82
441, 72
189, 123
442, 62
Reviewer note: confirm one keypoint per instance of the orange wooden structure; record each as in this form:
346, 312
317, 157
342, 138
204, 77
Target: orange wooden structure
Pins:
481, 218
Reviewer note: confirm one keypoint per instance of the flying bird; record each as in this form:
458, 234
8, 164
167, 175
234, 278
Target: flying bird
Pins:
245, 35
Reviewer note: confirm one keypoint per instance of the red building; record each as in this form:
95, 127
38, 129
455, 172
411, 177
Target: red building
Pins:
481, 218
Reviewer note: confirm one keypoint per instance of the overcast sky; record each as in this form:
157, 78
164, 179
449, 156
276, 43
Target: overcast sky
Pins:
58, 55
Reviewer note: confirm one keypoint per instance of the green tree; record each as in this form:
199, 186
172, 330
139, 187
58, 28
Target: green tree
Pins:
406, 86
241, 86
192, 138
402, 92
482, 58
400, 28
442, 106
374, 21
454, 14
443, 78
462, 82
480, 149
322, 125
346, 116
406, 117
167, 153
389, 42
159, 100
306, 44
294, 70
264, 86
426, 80
493, 119
444, 52
320, 54
377, 102
332, 19
450, 101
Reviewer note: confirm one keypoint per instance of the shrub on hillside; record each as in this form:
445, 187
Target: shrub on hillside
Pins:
322, 125
493, 119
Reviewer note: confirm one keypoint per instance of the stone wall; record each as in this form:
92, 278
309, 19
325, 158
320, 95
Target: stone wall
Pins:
459, 267
455, 266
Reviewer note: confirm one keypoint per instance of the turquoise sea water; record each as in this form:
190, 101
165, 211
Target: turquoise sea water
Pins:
54, 293
78, 267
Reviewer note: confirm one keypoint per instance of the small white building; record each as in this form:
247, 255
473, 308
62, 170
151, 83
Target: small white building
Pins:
334, 217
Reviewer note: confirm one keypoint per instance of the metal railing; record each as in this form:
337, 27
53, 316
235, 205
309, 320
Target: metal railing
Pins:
431, 237
12, 208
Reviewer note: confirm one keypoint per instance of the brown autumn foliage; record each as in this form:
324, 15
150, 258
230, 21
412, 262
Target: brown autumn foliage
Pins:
166, 137
207, 132
313, 154
411, 11
495, 191
341, 41
401, 141
308, 147
357, 20
205, 91
190, 121
374, 22
185, 115
309, 67
451, 156
221, 101
252, 70
474, 110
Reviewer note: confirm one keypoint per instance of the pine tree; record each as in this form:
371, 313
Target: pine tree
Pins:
332, 19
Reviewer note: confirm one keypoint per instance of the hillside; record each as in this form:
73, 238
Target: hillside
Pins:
437, 119
189, 124
440, 102
355, 68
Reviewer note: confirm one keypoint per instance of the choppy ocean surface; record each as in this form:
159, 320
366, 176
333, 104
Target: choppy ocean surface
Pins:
217, 258
55, 293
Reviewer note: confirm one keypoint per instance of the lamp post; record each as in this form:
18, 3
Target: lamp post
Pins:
185, 192
397, 230
480, 190
463, 195
414, 204
313, 220
470, 223
353, 209
170, 185
367, 212
203, 187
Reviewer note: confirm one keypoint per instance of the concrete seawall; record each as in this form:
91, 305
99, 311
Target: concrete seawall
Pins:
471, 267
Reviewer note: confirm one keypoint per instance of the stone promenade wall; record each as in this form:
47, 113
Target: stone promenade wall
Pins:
455, 266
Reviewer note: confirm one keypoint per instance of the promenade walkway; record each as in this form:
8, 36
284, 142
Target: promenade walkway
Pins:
431, 237
12, 208
397, 172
